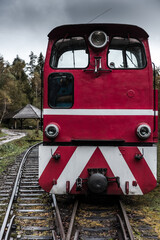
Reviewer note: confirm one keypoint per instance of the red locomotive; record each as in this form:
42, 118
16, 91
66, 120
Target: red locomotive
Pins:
100, 111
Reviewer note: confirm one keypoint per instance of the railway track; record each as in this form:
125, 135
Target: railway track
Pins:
93, 221
30, 214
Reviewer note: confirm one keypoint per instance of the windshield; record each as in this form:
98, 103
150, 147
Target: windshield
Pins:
126, 53
70, 53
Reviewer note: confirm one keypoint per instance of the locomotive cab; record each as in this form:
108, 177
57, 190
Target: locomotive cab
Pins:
100, 113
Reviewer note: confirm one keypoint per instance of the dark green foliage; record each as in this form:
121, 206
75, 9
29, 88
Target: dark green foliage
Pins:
20, 84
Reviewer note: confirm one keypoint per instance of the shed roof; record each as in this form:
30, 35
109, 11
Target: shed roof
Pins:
28, 112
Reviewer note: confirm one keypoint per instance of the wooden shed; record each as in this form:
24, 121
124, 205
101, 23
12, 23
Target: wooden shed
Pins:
28, 112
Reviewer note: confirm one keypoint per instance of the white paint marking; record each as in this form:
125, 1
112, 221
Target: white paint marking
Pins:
73, 169
150, 156
45, 156
100, 112
120, 168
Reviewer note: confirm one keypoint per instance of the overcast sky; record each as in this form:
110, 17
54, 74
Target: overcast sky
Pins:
24, 24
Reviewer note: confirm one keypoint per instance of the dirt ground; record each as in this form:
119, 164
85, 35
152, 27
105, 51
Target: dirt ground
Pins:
11, 135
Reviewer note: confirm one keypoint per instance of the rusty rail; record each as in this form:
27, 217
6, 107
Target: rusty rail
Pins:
127, 223
69, 233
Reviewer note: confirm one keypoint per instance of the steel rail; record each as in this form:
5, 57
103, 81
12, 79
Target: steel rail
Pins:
129, 229
9, 228
76, 235
54, 235
69, 233
15, 190
60, 224
122, 227
61, 228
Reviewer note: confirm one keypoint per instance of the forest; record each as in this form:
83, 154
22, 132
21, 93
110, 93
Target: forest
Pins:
20, 84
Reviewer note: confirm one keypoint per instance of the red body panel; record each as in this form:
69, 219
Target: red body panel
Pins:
119, 89
107, 128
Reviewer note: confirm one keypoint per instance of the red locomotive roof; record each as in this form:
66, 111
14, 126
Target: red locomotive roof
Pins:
111, 29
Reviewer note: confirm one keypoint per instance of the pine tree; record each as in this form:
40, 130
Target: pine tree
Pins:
31, 66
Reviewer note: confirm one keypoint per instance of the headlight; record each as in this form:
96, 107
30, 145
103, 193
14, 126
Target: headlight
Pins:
51, 131
143, 131
98, 39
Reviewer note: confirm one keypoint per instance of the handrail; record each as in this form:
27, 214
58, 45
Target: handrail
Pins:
154, 97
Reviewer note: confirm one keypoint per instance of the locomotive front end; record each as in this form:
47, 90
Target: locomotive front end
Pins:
100, 112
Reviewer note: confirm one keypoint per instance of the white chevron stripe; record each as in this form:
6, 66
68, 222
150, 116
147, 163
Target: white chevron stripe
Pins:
150, 156
80, 158
120, 168
45, 154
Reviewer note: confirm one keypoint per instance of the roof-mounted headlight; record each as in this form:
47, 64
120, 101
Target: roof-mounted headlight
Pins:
51, 131
98, 39
143, 131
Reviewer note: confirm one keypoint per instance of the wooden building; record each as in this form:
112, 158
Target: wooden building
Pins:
28, 112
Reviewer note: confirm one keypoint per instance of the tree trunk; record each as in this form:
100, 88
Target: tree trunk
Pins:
4, 110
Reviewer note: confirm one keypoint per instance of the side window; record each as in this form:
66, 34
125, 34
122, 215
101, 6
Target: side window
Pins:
70, 53
60, 90
126, 53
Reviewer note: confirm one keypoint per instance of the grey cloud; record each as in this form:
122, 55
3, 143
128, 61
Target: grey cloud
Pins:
29, 21
30, 14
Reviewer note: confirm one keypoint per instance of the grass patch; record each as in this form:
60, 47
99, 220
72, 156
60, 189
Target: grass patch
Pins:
9, 151
2, 134
34, 135
146, 209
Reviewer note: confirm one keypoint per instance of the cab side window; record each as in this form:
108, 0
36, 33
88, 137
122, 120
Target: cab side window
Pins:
60, 90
